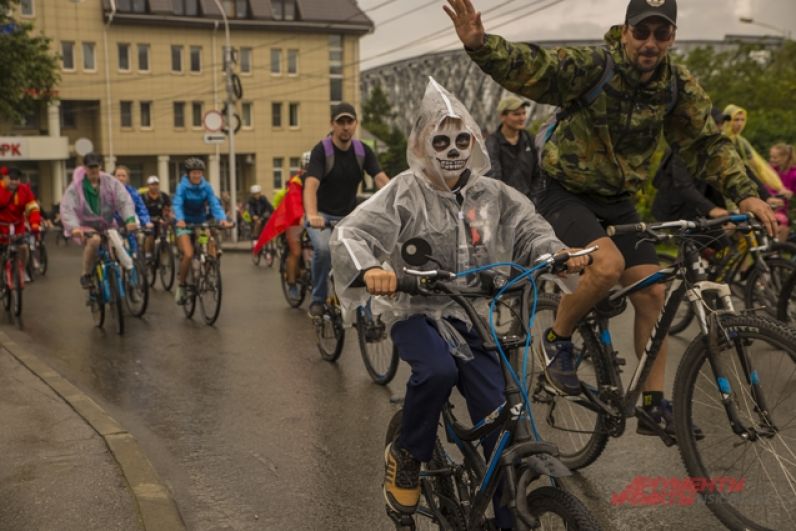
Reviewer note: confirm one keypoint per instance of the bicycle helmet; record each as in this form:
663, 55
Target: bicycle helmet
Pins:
305, 159
256, 189
194, 163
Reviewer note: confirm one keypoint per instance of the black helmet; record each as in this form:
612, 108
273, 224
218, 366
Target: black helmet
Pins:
92, 159
194, 163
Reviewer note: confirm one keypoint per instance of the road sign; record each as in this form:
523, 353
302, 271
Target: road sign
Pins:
213, 121
214, 138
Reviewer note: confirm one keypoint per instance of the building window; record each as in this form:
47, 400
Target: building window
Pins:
278, 161
132, 6
186, 7
292, 62
146, 114
335, 68
126, 113
336, 90
283, 9
89, 62
176, 58
245, 60
196, 59
179, 114
68, 55
294, 114
124, 56
26, 8
246, 115
143, 57
295, 165
242, 8
196, 114
276, 61
68, 115
276, 114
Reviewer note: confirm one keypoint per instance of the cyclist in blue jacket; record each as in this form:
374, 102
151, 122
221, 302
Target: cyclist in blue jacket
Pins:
122, 173
194, 202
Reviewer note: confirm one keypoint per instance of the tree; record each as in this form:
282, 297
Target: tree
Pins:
28, 69
376, 113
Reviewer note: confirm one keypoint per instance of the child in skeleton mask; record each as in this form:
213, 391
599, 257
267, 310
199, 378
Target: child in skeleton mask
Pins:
467, 220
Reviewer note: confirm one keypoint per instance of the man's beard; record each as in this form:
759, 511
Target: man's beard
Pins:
651, 68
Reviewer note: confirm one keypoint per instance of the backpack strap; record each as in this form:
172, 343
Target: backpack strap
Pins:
328, 152
591, 95
359, 151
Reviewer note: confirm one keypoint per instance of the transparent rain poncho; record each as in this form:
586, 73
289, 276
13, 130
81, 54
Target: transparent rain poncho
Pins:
478, 222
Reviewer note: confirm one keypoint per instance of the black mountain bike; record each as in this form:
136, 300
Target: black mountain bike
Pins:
162, 261
204, 276
736, 381
456, 493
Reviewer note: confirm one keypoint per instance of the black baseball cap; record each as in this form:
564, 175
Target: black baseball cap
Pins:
13, 173
343, 109
640, 10
92, 159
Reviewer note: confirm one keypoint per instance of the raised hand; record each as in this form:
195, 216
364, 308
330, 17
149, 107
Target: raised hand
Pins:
467, 22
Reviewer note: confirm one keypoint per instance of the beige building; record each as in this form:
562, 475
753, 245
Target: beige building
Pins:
139, 76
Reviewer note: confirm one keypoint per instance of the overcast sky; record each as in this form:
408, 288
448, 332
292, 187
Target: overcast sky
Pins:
404, 28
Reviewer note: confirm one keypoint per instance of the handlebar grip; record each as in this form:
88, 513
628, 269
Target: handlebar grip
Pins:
618, 230
407, 284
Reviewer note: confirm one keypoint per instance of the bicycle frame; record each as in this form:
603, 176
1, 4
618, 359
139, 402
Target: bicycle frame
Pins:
105, 261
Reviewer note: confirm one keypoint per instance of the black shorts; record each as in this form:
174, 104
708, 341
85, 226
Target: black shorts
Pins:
579, 219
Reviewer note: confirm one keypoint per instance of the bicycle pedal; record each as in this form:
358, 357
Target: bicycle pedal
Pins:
403, 522
649, 422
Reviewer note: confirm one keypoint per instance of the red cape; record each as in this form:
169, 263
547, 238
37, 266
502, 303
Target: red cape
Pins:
287, 214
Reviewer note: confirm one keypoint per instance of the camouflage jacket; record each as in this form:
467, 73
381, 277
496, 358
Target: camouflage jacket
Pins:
605, 149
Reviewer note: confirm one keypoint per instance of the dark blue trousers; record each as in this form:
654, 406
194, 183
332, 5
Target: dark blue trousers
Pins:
434, 373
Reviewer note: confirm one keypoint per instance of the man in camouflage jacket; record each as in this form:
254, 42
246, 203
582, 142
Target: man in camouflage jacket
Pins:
600, 154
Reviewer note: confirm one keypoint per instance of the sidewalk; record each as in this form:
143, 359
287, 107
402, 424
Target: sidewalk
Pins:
56, 472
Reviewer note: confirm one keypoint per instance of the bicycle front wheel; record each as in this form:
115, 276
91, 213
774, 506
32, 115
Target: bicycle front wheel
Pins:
378, 352
191, 287
558, 509
301, 292
43, 263
757, 469
136, 289
577, 429
763, 287
330, 334
16, 295
166, 265
209, 290
786, 305
115, 301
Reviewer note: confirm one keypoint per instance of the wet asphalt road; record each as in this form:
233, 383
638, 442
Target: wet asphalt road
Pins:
252, 430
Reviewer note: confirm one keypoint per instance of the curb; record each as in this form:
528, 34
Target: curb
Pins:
156, 506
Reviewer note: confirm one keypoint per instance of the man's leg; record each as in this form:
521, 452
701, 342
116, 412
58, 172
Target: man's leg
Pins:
186, 251
89, 257
434, 374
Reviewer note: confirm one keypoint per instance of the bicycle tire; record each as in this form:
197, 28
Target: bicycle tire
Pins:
786, 305
136, 289
740, 332
328, 327
209, 292
43, 258
292, 302
549, 500
116, 300
763, 288
8, 285
166, 268
685, 313
97, 305
256, 257
374, 353
190, 297
16, 304
581, 447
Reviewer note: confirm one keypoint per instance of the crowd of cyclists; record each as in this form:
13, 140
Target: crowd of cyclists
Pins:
476, 202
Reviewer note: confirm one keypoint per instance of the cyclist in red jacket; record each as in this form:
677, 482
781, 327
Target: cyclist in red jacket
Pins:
16, 203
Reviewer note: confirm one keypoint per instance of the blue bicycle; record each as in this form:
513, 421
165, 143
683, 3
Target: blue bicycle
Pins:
457, 492
108, 285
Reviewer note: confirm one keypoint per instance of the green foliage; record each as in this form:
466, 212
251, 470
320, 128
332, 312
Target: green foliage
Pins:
28, 69
377, 111
765, 88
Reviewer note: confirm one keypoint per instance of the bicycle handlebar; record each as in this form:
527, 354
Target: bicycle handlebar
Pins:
699, 224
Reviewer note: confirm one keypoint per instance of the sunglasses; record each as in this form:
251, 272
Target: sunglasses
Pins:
662, 33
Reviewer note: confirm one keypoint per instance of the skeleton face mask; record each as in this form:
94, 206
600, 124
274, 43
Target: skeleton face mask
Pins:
449, 149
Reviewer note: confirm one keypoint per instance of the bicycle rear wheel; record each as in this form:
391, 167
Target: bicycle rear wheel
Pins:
96, 302
786, 305
115, 301
378, 352
166, 264
330, 333
16, 295
136, 289
190, 291
209, 291
293, 302
43, 259
578, 431
763, 288
558, 509
757, 470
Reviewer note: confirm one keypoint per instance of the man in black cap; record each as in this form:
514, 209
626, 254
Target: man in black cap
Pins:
336, 169
615, 103
511, 149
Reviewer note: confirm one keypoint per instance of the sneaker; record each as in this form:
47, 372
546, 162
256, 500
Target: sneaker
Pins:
179, 295
664, 417
293, 292
401, 480
27, 278
316, 309
86, 281
559, 367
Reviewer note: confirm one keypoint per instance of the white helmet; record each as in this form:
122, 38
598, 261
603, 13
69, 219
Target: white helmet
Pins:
305, 159
256, 189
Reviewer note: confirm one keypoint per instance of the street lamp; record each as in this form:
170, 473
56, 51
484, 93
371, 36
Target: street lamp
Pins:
233, 185
750, 20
